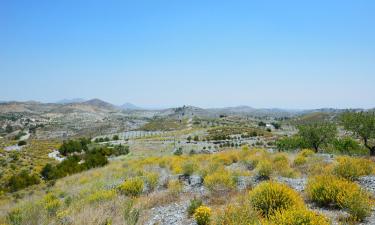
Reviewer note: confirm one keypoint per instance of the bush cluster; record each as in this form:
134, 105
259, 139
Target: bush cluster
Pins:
302, 157
72, 146
202, 215
269, 197
101, 195
264, 169
238, 214
74, 164
352, 168
220, 180
22, 180
132, 187
194, 204
330, 191
298, 217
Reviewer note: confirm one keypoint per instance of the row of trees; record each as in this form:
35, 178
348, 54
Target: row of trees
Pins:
315, 135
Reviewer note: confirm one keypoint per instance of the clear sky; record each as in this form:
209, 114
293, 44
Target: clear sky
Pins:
288, 54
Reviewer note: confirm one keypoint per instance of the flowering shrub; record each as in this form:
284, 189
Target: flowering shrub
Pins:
15, 216
152, 180
194, 204
297, 217
332, 191
281, 165
300, 160
219, 181
132, 187
352, 168
306, 152
51, 204
102, 195
202, 215
269, 197
238, 214
264, 168
188, 167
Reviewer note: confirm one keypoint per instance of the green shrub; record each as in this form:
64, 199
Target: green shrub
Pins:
22, 143
178, 151
329, 191
348, 145
202, 215
289, 143
194, 204
132, 187
306, 152
238, 214
300, 160
51, 204
220, 180
14, 217
352, 168
269, 197
22, 180
72, 146
188, 168
152, 180
298, 217
264, 168
131, 214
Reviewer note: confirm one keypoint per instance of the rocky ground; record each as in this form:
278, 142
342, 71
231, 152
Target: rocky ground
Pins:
175, 213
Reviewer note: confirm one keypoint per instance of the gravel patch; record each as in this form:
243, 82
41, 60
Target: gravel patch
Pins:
297, 184
174, 213
368, 183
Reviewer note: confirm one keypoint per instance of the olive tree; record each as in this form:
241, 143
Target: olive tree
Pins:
316, 134
362, 124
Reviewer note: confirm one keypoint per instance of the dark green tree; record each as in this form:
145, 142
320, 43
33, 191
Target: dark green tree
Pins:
314, 135
362, 124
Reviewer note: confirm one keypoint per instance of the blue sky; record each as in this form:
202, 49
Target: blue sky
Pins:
288, 54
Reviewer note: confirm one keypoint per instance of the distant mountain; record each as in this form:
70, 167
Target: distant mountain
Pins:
250, 111
69, 101
99, 103
130, 106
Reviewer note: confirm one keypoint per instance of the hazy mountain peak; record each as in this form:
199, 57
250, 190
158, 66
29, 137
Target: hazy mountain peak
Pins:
129, 105
99, 103
69, 101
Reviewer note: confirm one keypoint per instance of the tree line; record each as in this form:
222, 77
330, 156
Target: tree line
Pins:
314, 135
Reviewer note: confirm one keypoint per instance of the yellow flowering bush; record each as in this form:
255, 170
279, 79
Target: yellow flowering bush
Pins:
264, 168
202, 215
51, 204
329, 190
101, 195
306, 152
352, 168
302, 156
269, 197
237, 214
300, 160
189, 167
152, 180
219, 181
297, 217
281, 165
132, 187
